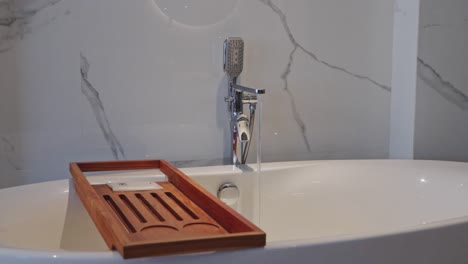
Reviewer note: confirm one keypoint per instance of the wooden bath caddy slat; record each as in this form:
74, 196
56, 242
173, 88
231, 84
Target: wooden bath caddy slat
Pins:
182, 217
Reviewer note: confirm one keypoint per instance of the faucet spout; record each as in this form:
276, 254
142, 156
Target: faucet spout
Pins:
241, 88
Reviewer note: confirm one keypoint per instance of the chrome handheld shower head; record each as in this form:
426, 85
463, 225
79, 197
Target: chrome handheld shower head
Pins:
233, 59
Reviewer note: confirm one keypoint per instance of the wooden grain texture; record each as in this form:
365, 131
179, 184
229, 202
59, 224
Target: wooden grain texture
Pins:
230, 219
180, 218
112, 233
118, 165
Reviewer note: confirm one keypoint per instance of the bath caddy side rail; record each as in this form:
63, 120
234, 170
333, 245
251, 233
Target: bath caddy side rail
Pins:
182, 217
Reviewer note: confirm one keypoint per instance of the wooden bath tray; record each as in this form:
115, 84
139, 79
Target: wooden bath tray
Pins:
180, 218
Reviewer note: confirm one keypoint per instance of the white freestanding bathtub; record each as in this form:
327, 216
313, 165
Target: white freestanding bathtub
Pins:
369, 211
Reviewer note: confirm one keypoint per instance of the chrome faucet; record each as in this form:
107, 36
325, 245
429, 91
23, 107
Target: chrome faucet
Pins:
241, 124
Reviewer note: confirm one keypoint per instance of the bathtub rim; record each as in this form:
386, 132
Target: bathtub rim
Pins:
25, 253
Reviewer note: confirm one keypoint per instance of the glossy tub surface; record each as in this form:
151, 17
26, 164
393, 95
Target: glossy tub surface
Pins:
367, 211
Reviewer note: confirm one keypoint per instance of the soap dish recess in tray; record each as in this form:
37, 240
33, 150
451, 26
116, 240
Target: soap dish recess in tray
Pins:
181, 217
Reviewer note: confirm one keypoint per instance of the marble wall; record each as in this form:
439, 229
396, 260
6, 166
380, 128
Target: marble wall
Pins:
442, 91
118, 79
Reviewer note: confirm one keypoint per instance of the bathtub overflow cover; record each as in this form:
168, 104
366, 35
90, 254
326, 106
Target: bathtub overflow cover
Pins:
228, 193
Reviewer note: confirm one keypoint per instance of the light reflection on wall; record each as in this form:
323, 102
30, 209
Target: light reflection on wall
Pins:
193, 13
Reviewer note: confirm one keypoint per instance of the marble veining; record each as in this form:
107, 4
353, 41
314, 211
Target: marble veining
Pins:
397, 9
313, 56
153, 60
434, 79
9, 149
296, 115
15, 19
96, 104
432, 25
438, 25
298, 46
446, 89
